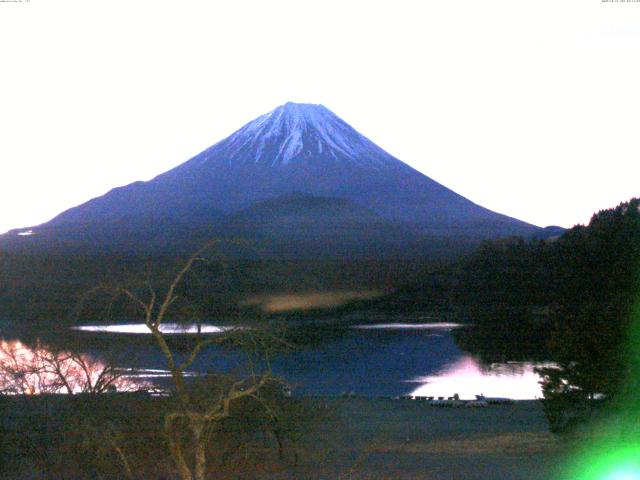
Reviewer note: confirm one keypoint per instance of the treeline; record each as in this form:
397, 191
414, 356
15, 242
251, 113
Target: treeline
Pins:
510, 282
47, 286
568, 299
579, 289
597, 269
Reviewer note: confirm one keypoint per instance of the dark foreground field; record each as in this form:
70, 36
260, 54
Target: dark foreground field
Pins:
352, 438
393, 439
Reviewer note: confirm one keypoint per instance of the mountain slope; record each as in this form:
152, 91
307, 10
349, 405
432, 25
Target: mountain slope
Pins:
305, 226
296, 148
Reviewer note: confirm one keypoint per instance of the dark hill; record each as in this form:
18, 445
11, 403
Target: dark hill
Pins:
305, 226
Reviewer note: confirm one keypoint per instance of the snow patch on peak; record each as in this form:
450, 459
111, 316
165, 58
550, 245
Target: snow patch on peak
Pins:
291, 147
294, 132
303, 107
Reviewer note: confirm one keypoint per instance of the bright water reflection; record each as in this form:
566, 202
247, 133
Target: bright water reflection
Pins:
396, 356
167, 328
516, 380
409, 326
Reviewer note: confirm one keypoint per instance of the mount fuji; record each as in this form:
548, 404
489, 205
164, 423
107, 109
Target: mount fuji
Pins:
298, 177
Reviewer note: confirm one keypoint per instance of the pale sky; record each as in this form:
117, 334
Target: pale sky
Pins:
530, 108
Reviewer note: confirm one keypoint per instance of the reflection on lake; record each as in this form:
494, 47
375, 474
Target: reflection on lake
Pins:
166, 328
409, 326
467, 378
368, 359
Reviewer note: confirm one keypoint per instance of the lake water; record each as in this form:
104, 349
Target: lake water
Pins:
388, 358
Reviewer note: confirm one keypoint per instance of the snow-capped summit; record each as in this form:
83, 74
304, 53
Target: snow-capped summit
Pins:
296, 132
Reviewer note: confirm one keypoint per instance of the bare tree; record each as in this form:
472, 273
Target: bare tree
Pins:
44, 369
192, 417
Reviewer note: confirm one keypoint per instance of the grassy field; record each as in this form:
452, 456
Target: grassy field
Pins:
395, 439
337, 438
